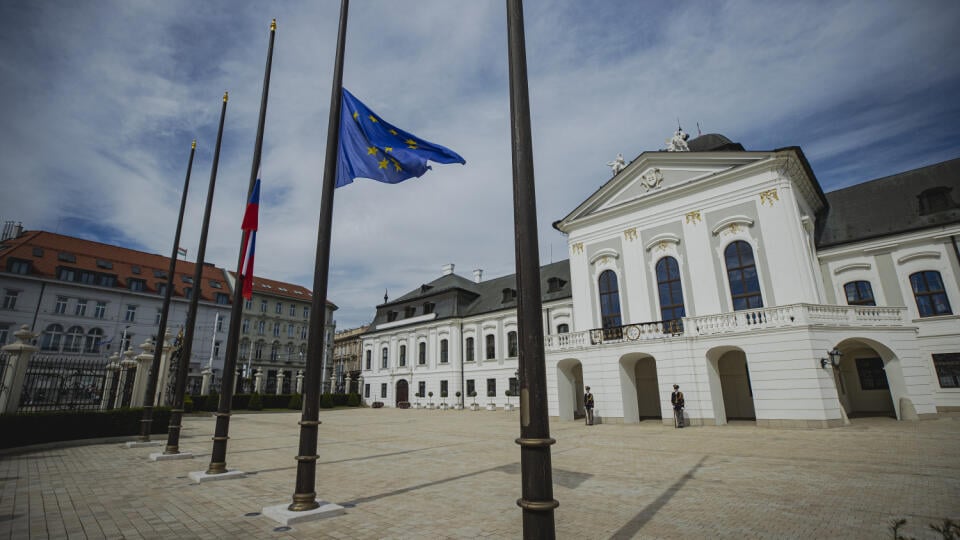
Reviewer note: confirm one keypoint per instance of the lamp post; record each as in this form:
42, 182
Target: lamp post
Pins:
833, 360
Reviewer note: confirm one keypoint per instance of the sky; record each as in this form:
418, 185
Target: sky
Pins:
100, 101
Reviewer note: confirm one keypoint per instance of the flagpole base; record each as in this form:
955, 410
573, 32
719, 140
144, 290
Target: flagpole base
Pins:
282, 514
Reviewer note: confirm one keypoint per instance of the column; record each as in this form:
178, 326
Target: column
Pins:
164, 367
280, 377
143, 370
258, 381
300, 381
206, 375
19, 353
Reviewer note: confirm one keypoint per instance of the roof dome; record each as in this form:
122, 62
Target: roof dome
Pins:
713, 142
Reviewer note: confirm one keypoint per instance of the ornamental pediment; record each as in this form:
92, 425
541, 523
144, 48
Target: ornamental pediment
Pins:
652, 180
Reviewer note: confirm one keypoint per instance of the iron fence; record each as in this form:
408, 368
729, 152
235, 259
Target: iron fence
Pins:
54, 383
4, 358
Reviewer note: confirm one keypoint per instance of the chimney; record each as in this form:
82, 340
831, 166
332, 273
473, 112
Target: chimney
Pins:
447, 269
477, 275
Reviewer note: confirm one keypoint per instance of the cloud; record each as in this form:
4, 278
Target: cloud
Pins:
102, 100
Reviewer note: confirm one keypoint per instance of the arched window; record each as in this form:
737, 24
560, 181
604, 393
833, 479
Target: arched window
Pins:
51, 338
275, 351
563, 328
859, 293
609, 300
491, 347
929, 292
73, 342
742, 275
422, 353
512, 344
94, 337
469, 349
444, 351
671, 293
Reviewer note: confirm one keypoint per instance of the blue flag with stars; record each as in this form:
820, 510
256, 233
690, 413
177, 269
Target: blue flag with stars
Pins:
372, 148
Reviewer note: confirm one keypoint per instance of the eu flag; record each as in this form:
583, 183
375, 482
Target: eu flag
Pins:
372, 148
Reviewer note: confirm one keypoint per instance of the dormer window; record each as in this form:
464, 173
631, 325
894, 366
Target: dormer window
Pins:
936, 199
409, 311
508, 295
66, 257
162, 274
104, 264
428, 307
554, 284
391, 316
187, 279
135, 269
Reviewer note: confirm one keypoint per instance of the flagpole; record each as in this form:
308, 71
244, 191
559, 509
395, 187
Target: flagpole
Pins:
218, 456
537, 499
148, 400
305, 496
176, 414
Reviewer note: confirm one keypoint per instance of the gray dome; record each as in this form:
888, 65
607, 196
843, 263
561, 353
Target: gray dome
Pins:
713, 142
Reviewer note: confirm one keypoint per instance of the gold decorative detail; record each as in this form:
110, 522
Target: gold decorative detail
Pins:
694, 217
662, 246
193, 145
734, 228
605, 259
225, 97
577, 248
630, 234
769, 196
273, 26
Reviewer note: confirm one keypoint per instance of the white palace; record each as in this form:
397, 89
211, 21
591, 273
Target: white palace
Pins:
726, 271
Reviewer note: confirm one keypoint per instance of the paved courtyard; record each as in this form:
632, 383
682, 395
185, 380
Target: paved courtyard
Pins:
456, 474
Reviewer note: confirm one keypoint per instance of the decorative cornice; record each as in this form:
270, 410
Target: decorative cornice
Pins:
661, 240
919, 255
734, 223
604, 255
851, 266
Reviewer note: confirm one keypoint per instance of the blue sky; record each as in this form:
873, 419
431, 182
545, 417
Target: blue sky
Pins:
100, 101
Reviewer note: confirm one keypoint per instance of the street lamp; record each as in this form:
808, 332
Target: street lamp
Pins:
833, 360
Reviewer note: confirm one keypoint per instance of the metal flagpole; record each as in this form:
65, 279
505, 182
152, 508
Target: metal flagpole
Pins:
305, 496
153, 376
176, 413
537, 499
218, 456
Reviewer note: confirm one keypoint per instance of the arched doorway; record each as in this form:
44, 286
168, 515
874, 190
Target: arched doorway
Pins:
402, 391
639, 388
866, 378
730, 387
570, 389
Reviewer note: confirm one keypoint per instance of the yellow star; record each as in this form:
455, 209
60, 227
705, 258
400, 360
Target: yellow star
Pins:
372, 151
355, 115
373, 118
397, 165
412, 144
388, 149
383, 164
393, 132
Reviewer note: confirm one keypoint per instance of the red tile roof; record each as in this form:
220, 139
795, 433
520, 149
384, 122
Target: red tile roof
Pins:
106, 259
280, 288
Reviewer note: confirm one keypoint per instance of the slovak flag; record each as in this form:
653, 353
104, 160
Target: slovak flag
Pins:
249, 227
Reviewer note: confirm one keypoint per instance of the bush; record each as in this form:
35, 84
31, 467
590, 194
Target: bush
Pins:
240, 401
35, 428
326, 401
211, 402
187, 404
491, 393
255, 403
353, 400
296, 402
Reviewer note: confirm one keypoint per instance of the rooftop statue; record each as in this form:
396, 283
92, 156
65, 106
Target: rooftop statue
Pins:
679, 141
617, 165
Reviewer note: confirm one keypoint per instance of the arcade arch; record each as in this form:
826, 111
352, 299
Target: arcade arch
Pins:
730, 387
639, 388
869, 379
570, 389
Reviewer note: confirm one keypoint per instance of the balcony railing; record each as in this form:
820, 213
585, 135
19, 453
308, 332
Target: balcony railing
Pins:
794, 315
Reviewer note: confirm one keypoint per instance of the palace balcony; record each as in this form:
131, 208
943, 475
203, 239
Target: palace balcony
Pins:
793, 315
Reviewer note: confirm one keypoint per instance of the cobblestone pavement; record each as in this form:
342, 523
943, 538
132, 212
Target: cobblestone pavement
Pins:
456, 474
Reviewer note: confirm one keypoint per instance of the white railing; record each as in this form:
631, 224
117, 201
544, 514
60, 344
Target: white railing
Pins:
793, 315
